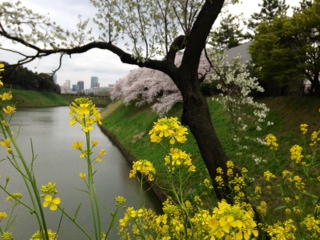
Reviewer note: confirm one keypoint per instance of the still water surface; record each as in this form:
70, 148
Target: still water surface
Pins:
58, 162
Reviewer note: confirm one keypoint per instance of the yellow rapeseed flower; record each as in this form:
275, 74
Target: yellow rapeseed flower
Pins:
78, 145
232, 221
272, 142
312, 224
219, 180
268, 175
83, 176
207, 183
257, 190
284, 230
314, 138
94, 143
14, 196
6, 96
6, 144
84, 112
143, 167
121, 200
286, 173
263, 208
178, 158
169, 128
304, 128
52, 202
1, 70
296, 153
9, 110
3, 215
7, 236
50, 188
38, 235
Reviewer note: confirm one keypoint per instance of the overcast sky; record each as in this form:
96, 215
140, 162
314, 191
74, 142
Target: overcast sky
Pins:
100, 63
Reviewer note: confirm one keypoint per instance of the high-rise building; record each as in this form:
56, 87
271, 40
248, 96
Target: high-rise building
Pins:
75, 88
65, 88
81, 85
94, 82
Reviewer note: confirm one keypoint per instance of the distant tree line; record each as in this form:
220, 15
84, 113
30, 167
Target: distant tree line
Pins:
19, 77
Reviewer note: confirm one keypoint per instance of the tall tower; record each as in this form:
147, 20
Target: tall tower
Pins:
94, 82
81, 85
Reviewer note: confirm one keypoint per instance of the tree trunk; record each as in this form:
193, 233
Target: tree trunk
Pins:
197, 116
315, 85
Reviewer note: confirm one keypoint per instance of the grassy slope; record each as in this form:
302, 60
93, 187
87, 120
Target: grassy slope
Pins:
24, 98
131, 126
99, 101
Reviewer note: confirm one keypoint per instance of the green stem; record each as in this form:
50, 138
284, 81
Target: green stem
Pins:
34, 193
75, 222
94, 202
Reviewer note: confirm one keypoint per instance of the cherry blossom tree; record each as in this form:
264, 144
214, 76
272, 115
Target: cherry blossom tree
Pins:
139, 86
153, 31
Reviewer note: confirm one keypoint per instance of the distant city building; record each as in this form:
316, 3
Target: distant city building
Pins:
80, 85
75, 88
98, 91
65, 88
94, 82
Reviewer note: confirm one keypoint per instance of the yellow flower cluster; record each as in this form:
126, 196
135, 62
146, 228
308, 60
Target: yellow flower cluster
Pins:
1, 70
6, 96
121, 200
315, 138
145, 216
296, 153
3, 215
304, 128
84, 112
49, 199
207, 183
298, 182
224, 222
7, 145
84, 153
7, 236
169, 128
272, 142
39, 236
233, 222
14, 196
178, 158
263, 208
143, 167
284, 230
269, 175
313, 225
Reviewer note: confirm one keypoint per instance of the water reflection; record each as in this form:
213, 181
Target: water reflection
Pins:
48, 131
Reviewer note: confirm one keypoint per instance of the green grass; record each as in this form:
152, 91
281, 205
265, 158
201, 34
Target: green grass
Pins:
99, 101
131, 125
25, 98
